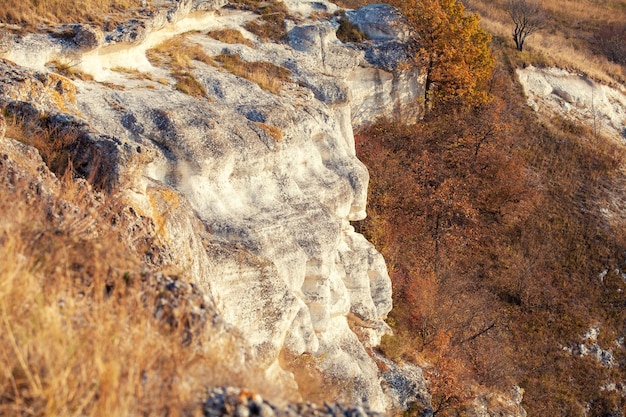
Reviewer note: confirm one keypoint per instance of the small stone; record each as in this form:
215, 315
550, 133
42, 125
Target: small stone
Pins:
3, 126
88, 37
266, 411
242, 411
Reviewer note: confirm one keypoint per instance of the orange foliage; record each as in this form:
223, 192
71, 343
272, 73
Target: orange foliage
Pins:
452, 49
491, 226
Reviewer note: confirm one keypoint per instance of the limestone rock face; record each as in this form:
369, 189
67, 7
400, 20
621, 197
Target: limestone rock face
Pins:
406, 387
380, 22
576, 97
387, 85
249, 192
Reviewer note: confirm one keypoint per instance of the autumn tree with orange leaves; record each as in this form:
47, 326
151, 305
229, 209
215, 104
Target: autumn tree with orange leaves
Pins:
451, 48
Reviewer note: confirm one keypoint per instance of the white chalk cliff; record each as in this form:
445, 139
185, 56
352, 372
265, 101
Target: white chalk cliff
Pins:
576, 97
260, 222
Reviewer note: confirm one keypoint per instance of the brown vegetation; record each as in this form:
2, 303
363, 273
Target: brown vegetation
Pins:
349, 32
33, 13
268, 76
68, 71
52, 144
232, 36
490, 223
178, 54
270, 26
134, 74
272, 131
570, 35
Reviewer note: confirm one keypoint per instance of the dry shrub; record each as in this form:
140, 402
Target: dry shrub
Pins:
349, 32
178, 54
188, 84
52, 143
231, 36
32, 13
354, 4
609, 41
267, 75
69, 71
272, 131
494, 227
271, 24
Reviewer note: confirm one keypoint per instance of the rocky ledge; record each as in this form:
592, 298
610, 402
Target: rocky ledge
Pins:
250, 192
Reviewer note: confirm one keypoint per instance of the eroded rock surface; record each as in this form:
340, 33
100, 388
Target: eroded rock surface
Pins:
249, 192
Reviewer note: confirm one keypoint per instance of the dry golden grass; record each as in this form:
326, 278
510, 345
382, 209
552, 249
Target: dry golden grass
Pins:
272, 131
80, 328
134, 74
178, 54
68, 71
267, 75
353, 4
71, 346
52, 144
565, 41
33, 12
188, 84
231, 36
270, 26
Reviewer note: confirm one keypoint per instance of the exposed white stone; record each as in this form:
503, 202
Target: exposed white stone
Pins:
575, 96
261, 223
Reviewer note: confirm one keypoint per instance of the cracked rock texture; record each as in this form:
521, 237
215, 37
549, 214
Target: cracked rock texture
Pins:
259, 220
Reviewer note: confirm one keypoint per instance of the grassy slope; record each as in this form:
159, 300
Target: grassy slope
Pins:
31, 13
567, 39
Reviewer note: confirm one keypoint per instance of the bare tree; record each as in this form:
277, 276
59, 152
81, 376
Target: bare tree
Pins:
527, 17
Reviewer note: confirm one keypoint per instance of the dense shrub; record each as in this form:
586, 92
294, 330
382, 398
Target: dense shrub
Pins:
609, 40
490, 222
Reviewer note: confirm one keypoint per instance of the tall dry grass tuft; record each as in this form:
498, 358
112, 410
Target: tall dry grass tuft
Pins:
33, 13
85, 328
52, 143
231, 36
268, 76
73, 342
178, 54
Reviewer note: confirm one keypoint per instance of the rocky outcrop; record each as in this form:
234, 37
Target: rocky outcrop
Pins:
576, 97
3, 127
230, 401
498, 404
389, 86
248, 192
